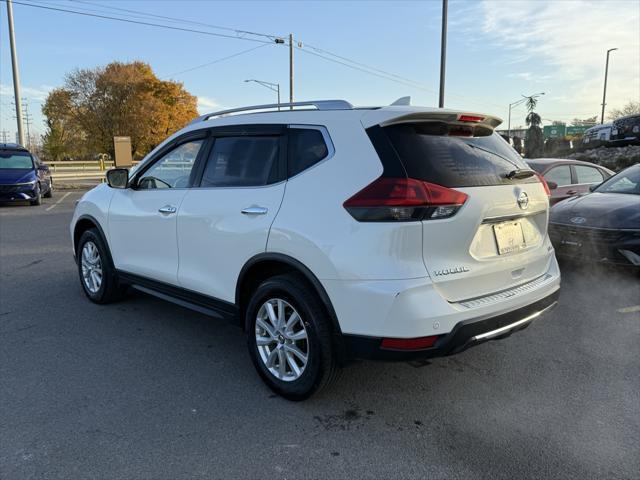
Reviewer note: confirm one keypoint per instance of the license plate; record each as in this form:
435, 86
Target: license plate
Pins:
509, 237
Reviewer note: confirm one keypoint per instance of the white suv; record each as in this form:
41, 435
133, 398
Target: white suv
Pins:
329, 233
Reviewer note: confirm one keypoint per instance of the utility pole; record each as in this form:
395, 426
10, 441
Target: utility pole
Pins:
27, 120
604, 94
291, 69
443, 52
5, 135
16, 73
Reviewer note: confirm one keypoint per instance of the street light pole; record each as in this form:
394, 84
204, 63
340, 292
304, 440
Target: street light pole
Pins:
16, 72
604, 94
518, 102
271, 86
443, 52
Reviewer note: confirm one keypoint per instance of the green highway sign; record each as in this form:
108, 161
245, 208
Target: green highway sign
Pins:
577, 130
554, 131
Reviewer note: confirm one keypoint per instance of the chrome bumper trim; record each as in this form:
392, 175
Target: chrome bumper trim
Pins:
499, 331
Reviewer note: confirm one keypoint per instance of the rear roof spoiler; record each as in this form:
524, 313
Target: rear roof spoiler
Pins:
394, 115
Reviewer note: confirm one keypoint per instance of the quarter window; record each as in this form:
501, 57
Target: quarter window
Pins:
173, 169
306, 148
588, 174
247, 161
560, 175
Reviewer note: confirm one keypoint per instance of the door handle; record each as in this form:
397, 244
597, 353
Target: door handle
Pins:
254, 210
571, 192
168, 209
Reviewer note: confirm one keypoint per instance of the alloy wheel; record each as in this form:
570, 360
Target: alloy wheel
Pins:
91, 267
281, 339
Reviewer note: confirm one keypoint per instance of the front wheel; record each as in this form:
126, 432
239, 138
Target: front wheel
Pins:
289, 338
37, 200
49, 193
97, 274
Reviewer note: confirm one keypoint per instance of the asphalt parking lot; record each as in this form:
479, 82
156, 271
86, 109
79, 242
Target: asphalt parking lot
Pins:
144, 389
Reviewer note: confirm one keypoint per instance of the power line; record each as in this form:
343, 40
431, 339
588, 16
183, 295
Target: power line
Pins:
218, 60
138, 22
389, 76
179, 20
316, 51
320, 52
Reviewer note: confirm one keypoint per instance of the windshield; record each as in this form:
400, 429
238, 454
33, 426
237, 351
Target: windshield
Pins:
627, 181
16, 160
430, 152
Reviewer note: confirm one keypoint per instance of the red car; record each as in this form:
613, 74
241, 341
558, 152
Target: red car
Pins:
567, 178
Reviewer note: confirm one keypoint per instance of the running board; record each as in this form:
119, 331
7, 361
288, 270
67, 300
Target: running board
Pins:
185, 298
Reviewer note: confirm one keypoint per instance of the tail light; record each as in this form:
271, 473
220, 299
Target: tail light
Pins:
544, 184
402, 200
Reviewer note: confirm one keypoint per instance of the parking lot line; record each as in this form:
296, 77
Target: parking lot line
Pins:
635, 308
58, 202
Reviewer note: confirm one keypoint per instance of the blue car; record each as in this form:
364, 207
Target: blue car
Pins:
23, 177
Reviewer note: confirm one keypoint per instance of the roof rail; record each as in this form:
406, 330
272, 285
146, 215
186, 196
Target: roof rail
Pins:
319, 104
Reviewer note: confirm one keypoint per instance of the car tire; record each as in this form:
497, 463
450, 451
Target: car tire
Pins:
49, 193
294, 296
97, 274
38, 200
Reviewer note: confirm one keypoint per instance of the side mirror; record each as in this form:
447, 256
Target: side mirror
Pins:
552, 185
118, 177
593, 187
43, 167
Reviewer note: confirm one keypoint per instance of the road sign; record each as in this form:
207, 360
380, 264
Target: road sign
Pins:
577, 130
554, 131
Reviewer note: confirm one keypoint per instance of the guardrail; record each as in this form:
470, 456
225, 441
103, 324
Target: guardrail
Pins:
81, 166
80, 170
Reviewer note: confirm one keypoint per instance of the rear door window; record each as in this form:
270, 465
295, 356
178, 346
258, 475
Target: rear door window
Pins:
431, 152
307, 147
560, 175
242, 161
587, 174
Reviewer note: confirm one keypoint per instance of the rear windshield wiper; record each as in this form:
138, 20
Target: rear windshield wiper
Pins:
520, 174
492, 153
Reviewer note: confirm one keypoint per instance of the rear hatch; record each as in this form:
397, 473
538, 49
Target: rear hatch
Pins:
493, 238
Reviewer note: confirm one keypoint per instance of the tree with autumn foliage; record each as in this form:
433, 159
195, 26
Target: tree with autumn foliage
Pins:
120, 99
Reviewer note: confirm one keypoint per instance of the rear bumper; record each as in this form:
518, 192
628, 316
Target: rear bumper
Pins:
464, 335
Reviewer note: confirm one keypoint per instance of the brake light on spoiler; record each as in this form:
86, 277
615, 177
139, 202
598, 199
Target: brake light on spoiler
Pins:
470, 118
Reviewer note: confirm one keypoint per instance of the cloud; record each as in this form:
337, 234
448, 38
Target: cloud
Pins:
35, 94
569, 39
206, 104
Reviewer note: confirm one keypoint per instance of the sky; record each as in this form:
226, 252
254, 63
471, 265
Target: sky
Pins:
497, 50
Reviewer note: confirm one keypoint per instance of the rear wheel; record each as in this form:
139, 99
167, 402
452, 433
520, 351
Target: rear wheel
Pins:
289, 338
97, 274
38, 197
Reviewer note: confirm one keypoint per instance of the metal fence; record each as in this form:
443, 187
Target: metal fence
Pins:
80, 170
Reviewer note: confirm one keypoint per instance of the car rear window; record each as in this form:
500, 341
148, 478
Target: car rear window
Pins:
429, 152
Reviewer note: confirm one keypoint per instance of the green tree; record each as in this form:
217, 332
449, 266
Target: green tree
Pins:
62, 137
534, 140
